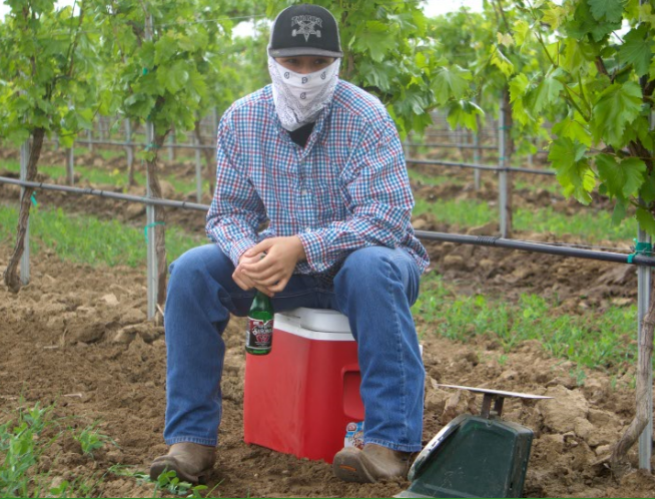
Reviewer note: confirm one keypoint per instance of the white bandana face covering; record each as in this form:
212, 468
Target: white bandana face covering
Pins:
299, 98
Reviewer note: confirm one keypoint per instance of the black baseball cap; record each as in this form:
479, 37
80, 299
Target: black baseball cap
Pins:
305, 30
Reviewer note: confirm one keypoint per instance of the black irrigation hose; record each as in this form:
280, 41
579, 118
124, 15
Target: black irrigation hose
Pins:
421, 234
478, 167
498, 242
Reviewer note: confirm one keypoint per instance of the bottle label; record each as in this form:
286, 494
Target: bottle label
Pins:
354, 435
260, 334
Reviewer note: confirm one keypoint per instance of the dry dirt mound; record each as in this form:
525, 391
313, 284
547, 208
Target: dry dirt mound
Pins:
76, 336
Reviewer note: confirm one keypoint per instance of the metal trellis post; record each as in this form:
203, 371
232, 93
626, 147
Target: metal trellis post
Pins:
502, 173
129, 149
214, 121
643, 300
476, 159
171, 149
70, 165
150, 229
198, 172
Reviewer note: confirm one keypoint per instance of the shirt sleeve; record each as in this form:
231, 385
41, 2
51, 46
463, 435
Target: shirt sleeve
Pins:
236, 211
379, 201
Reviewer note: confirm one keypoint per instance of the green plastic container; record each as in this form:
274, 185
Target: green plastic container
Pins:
473, 457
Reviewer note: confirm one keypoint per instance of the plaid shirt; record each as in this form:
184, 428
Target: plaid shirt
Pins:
346, 189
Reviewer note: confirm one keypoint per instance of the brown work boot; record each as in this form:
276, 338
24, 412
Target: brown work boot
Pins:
371, 464
192, 462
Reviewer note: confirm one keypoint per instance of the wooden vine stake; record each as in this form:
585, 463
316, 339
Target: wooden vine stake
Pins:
11, 277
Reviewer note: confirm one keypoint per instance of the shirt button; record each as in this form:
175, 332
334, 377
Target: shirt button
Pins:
308, 229
304, 192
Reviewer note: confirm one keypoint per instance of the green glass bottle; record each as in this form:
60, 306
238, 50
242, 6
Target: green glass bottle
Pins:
259, 336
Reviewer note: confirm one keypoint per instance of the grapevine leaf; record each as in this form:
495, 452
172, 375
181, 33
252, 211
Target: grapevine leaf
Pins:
616, 108
619, 213
464, 113
610, 10
450, 83
636, 49
573, 129
646, 221
584, 23
499, 60
521, 31
376, 40
564, 152
546, 94
173, 77
377, 75
645, 13
573, 172
518, 88
505, 39
621, 179
647, 191
573, 56
554, 16
633, 171
609, 169
578, 181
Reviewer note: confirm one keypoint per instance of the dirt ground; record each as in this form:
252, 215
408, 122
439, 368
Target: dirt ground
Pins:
77, 336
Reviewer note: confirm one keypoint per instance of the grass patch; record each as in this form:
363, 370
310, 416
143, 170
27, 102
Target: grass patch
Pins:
591, 227
595, 340
88, 240
551, 186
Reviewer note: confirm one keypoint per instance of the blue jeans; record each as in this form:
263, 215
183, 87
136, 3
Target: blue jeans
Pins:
374, 288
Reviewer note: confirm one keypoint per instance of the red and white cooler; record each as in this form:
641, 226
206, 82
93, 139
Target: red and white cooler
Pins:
300, 397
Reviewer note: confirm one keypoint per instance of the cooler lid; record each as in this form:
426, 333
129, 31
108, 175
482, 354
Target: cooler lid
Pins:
325, 321
315, 324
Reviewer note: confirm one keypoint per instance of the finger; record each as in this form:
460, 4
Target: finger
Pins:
260, 266
240, 282
259, 248
243, 277
263, 274
274, 279
265, 289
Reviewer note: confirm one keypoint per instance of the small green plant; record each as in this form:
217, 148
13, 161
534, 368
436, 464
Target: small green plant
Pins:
90, 439
22, 447
168, 481
23, 440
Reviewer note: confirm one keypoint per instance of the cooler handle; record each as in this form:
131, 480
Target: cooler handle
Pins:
353, 407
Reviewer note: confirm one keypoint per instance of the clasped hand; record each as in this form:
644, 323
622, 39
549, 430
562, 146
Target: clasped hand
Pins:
269, 265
